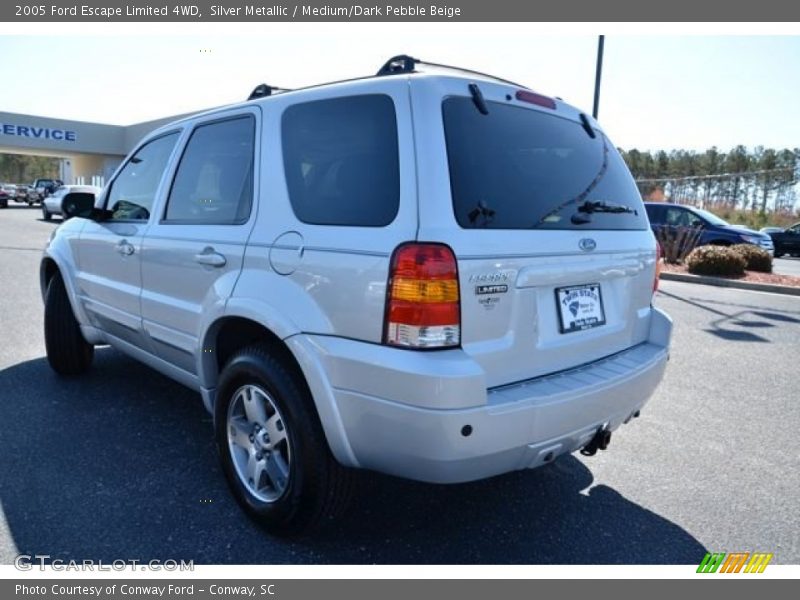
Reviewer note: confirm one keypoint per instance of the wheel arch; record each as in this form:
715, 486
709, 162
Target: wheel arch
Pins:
229, 334
48, 269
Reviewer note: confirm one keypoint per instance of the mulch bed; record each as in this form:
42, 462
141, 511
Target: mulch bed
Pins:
751, 276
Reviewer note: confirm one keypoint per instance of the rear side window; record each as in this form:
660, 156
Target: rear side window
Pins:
214, 180
517, 168
341, 161
133, 191
654, 213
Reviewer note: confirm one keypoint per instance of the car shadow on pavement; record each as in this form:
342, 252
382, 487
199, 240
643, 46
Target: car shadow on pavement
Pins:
735, 326
120, 465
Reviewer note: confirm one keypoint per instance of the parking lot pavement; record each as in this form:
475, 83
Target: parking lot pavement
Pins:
787, 265
120, 464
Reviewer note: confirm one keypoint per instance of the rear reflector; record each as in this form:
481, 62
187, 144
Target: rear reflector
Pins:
534, 98
422, 303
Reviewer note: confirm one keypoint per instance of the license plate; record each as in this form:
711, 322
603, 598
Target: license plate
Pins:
580, 307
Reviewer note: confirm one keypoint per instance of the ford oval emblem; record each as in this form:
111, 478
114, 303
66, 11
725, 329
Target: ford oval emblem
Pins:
587, 244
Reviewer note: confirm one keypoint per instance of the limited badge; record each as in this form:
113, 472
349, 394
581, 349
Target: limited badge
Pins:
496, 288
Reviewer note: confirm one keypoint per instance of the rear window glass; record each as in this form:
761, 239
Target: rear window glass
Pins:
518, 168
341, 160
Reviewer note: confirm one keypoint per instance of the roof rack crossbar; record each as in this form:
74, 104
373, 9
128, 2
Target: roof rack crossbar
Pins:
262, 90
402, 63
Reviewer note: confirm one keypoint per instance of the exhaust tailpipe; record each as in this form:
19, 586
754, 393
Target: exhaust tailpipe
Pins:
600, 441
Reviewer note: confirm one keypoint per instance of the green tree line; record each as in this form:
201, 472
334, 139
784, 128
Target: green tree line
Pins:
22, 168
763, 179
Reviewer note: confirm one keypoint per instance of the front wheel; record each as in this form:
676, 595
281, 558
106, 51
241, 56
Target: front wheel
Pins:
67, 351
46, 213
272, 447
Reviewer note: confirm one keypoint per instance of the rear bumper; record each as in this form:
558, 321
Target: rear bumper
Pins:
515, 427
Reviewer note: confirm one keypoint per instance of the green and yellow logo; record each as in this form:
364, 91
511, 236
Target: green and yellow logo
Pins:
733, 563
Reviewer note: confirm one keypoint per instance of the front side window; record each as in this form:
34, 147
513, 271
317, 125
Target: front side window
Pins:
678, 217
341, 160
518, 168
214, 180
134, 190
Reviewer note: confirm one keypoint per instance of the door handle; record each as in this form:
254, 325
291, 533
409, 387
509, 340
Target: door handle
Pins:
210, 258
125, 248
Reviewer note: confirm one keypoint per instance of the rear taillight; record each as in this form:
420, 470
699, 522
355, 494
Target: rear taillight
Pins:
658, 267
422, 299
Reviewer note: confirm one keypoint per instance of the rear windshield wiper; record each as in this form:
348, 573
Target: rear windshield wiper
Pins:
585, 210
483, 211
583, 195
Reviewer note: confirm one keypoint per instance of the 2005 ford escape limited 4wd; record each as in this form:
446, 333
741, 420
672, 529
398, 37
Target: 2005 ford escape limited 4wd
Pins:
439, 275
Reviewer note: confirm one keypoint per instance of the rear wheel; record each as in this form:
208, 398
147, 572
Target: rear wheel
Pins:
272, 447
67, 351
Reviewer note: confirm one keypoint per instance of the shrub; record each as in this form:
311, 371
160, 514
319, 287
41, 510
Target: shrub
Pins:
677, 242
715, 260
755, 258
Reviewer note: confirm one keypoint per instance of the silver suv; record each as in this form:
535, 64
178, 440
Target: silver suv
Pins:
439, 275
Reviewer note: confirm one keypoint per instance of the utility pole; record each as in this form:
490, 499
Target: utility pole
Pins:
598, 73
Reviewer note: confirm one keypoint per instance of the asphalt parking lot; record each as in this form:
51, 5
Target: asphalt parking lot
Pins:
120, 464
787, 265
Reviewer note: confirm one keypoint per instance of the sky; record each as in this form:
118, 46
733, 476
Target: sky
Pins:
658, 91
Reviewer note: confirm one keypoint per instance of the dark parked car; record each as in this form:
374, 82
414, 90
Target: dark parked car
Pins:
787, 241
716, 231
45, 187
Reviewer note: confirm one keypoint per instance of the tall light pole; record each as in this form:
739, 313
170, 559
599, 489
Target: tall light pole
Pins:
598, 73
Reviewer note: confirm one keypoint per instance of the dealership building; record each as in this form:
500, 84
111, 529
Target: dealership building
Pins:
88, 152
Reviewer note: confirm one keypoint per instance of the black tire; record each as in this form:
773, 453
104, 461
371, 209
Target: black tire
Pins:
46, 213
67, 351
318, 488
778, 254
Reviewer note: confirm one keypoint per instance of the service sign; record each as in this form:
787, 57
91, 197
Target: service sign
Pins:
44, 133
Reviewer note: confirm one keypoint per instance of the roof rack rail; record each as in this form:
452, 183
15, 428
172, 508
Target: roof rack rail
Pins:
402, 63
262, 90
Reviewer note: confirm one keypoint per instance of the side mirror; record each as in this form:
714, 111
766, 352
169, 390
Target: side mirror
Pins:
78, 204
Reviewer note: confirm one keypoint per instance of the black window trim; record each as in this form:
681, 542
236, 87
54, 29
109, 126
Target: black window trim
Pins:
399, 170
107, 192
243, 115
